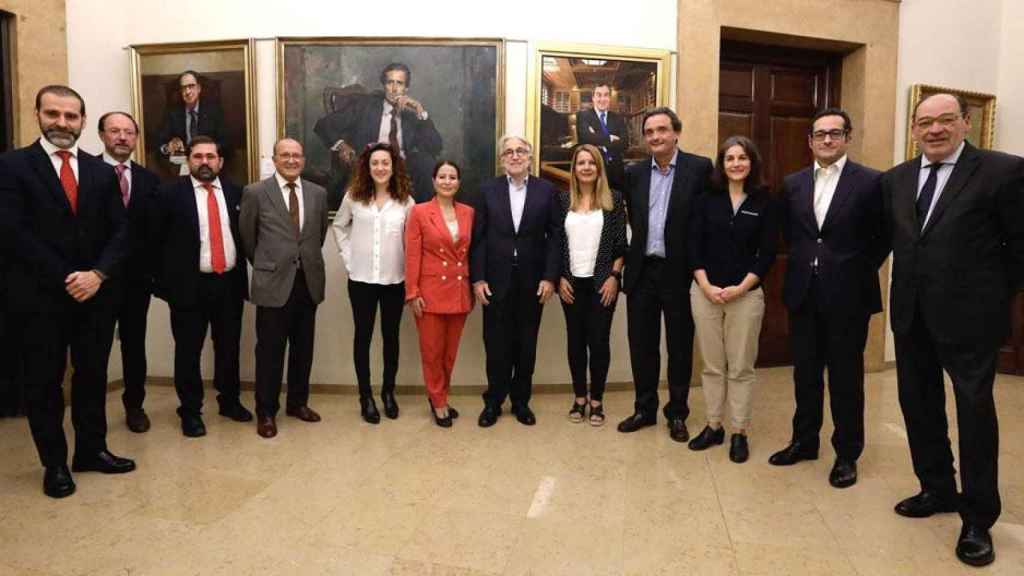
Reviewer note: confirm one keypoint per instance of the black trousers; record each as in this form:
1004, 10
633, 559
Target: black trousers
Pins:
12, 396
588, 325
292, 325
510, 342
660, 292
365, 299
218, 308
88, 330
920, 360
823, 337
131, 320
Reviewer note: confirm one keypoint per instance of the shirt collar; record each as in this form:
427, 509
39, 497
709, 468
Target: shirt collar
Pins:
671, 164
195, 109
388, 106
283, 184
511, 184
839, 164
51, 149
196, 184
951, 159
115, 162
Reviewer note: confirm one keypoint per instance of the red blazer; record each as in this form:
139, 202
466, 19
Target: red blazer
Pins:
436, 268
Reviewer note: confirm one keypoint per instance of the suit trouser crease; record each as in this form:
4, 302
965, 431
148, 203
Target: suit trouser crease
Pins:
439, 336
510, 343
588, 325
291, 326
365, 299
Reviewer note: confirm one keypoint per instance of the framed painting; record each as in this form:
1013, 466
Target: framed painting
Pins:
981, 111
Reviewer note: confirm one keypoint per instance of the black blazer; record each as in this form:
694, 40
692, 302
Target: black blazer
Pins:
173, 222
962, 270
44, 240
210, 123
849, 247
728, 246
613, 238
538, 242
691, 179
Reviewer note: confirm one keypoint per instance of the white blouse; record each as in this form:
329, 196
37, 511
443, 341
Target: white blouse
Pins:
584, 234
371, 240
453, 229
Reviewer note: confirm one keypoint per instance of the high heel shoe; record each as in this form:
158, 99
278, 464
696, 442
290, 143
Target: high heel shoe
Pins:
443, 422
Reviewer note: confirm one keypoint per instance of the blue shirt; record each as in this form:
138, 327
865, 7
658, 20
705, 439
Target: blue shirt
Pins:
657, 206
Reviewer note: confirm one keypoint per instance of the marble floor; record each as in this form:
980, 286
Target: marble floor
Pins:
406, 497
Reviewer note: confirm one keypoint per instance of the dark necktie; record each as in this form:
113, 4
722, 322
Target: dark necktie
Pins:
604, 122
122, 181
193, 125
924, 199
393, 134
68, 180
293, 207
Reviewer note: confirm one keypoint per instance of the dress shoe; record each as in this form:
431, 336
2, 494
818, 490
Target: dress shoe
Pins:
677, 430
304, 413
192, 426
453, 412
489, 416
390, 405
368, 410
843, 474
707, 438
792, 454
975, 546
925, 504
266, 427
524, 415
57, 482
102, 461
637, 421
137, 420
236, 412
739, 451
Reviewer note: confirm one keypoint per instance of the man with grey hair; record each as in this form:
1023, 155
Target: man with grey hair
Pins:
514, 265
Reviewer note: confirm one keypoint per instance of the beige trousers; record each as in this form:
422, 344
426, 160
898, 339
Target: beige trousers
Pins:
727, 335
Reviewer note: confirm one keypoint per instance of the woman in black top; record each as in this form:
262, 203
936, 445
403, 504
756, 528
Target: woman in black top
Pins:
732, 243
593, 247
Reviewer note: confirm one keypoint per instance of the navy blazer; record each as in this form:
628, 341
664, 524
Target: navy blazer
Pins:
495, 240
209, 123
173, 223
848, 247
729, 246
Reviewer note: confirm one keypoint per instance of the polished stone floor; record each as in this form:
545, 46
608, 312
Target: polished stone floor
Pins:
406, 497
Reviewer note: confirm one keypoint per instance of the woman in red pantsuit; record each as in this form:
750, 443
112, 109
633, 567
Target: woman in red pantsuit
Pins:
437, 289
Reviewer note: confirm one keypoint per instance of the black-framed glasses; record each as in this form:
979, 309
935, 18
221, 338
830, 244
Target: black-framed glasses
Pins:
837, 134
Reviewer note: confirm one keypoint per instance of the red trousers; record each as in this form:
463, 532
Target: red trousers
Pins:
439, 345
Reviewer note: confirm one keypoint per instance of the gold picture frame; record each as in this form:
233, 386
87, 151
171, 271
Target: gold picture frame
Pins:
561, 79
982, 112
227, 70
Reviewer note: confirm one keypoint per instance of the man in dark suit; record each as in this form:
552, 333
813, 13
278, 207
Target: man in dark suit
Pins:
659, 194
193, 118
954, 216
606, 130
369, 118
832, 225
62, 217
119, 132
201, 275
515, 261
283, 224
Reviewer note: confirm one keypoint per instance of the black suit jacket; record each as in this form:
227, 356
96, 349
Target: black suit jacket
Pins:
44, 239
495, 240
589, 131
848, 247
690, 180
962, 270
210, 123
173, 222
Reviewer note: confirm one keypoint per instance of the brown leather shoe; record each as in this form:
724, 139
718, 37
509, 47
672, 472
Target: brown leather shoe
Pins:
304, 413
266, 427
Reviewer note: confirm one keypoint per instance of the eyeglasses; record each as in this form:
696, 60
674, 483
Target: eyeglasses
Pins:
945, 121
186, 87
128, 132
819, 135
290, 156
510, 152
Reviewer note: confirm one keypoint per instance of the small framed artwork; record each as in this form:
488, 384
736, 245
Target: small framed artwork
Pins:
981, 112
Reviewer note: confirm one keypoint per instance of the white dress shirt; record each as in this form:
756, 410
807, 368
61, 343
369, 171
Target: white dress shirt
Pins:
127, 169
945, 171
205, 254
371, 240
283, 184
826, 178
52, 150
584, 234
517, 198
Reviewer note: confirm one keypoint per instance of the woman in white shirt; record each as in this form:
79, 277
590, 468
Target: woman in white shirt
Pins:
593, 248
370, 230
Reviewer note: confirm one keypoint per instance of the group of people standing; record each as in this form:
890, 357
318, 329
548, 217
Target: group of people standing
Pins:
84, 235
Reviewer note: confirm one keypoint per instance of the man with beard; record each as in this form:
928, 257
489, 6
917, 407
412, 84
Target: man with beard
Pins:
118, 132
62, 218
194, 226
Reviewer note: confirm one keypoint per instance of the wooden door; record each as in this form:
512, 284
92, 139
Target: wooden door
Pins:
769, 94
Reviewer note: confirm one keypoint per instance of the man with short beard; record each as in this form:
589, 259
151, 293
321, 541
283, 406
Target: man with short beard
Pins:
62, 220
194, 229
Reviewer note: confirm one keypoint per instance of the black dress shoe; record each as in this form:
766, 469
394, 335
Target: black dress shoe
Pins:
739, 451
975, 546
637, 421
453, 412
925, 504
707, 438
390, 406
489, 416
368, 410
57, 482
102, 461
677, 430
236, 412
192, 426
524, 415
137, 421
792, 454
843, 474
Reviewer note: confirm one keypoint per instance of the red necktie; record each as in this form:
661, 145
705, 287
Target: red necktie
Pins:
122, 180
217, 260
68, 181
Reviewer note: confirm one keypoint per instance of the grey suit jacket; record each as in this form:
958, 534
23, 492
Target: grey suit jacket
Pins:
270, 245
